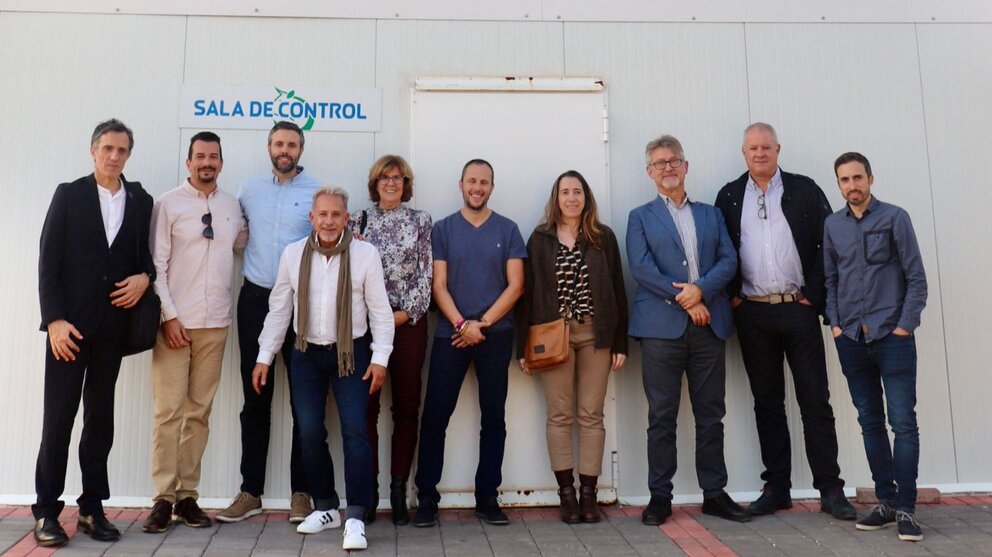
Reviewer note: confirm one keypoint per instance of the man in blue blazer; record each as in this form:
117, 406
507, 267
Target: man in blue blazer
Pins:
93, 265
682, 259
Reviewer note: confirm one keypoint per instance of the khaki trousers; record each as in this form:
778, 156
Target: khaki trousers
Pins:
575, 392
184, 381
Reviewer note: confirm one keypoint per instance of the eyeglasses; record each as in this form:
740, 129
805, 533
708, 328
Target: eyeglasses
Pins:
762, 210
660, 165
391, 179
208, 230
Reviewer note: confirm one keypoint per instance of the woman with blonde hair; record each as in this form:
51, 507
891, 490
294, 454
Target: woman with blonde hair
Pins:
403, 238
573, 271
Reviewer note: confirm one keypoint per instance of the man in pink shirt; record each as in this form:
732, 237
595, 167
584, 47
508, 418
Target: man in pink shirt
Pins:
195, 231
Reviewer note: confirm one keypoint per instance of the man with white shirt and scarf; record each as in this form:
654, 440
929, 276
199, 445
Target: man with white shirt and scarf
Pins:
335, 284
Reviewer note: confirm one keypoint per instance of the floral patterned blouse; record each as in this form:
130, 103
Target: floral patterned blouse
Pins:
403, 238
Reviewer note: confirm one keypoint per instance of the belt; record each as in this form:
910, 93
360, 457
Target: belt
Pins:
324, 347
776, 298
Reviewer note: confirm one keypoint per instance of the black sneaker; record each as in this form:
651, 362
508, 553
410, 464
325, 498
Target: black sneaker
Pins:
880, 517
490, 512
426, 515
909, 529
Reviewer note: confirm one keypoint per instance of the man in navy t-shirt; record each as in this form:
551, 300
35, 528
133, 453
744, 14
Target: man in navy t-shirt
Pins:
478, 277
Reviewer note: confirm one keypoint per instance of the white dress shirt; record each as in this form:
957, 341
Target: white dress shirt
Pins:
369, 303
770, 262
112, 210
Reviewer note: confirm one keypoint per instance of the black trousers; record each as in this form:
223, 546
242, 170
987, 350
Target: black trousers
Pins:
769, 333
256, 414
701, 357
91, 377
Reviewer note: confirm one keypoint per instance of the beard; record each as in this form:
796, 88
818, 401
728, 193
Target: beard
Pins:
283, 166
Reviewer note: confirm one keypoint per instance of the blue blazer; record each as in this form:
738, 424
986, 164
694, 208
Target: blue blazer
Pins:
657, 259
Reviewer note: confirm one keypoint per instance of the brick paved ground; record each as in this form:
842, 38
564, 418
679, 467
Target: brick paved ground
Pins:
960, 526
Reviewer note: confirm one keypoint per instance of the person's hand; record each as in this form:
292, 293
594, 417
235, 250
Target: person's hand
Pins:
524, 368
378, 375
900, 332
804, 302
735, 302
690, 295
699, 314
837, 331
60, 333
259, 376
175, 334
471, 335
617, 363
400, 318
129, 290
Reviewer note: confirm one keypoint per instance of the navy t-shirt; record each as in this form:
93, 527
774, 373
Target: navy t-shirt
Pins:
476, 260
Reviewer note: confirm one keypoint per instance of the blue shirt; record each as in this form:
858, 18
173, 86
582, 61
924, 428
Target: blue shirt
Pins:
476, 260
277, 215
874, 271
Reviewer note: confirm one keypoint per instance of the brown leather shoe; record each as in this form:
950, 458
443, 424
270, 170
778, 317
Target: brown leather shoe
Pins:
191, 514
159, 519
569, 505
588, 507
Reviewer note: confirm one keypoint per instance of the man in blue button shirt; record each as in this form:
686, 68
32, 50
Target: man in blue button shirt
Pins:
277, 207
876, 290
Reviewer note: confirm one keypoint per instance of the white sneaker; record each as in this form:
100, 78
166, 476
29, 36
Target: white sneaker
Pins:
354, 534
318, 521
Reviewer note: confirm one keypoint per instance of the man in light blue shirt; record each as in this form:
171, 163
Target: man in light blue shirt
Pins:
276, 207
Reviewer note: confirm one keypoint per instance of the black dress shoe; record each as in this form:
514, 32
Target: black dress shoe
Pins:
97, 526
771, 500
426, 515
191, 514
657, 511
725, 507
159, 519
835, 503
490, 512
49, 533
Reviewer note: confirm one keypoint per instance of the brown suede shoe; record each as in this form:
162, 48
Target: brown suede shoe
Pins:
160, 518
191, 514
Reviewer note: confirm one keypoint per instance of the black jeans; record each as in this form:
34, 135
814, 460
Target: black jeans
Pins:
767, 333
92, 377
701, 357
256, 415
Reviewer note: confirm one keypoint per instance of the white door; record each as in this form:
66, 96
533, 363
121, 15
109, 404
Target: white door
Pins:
531, 130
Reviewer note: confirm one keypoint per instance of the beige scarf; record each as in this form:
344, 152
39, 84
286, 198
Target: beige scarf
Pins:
346, 361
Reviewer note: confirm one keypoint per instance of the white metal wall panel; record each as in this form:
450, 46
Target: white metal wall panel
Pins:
835, 88
688, 80
956, 70
62, 74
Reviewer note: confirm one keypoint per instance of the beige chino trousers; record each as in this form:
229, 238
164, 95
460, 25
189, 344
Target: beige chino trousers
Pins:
184, 382
575, 391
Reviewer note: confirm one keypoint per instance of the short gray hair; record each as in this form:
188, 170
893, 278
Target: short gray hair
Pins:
663, 142
760, 126
329, 189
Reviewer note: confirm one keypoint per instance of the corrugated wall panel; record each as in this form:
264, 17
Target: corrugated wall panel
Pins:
955, 67
836, 88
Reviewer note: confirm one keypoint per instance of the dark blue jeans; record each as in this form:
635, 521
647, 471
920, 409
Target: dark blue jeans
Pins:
886, 367
444, 381
314, 371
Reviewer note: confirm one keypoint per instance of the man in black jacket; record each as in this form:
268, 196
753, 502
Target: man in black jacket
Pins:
94, 264
775, 220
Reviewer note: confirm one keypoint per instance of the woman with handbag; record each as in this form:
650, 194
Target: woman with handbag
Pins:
573, 276
403, 238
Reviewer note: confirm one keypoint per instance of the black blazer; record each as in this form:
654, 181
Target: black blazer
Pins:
805, 208
76, 268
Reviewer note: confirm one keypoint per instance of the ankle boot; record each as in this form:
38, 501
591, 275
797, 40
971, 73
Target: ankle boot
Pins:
397, 499
372, 505
588, 507
566, 492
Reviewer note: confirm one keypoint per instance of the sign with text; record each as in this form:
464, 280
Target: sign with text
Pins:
259, 107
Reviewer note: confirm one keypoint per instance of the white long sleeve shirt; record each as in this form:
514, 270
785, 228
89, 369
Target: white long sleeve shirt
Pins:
369, 304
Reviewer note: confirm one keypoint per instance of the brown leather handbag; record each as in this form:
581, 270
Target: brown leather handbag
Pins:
547, 344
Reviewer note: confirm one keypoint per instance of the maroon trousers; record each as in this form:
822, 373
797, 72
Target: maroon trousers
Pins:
405, 363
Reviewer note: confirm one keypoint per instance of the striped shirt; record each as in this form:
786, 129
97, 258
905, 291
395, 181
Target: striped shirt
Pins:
686, 225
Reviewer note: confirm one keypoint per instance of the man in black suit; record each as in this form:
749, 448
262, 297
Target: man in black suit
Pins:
94, 264
775, 220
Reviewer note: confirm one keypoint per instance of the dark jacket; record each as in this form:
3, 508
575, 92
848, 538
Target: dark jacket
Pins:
805, 208
539, 303
76, 268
